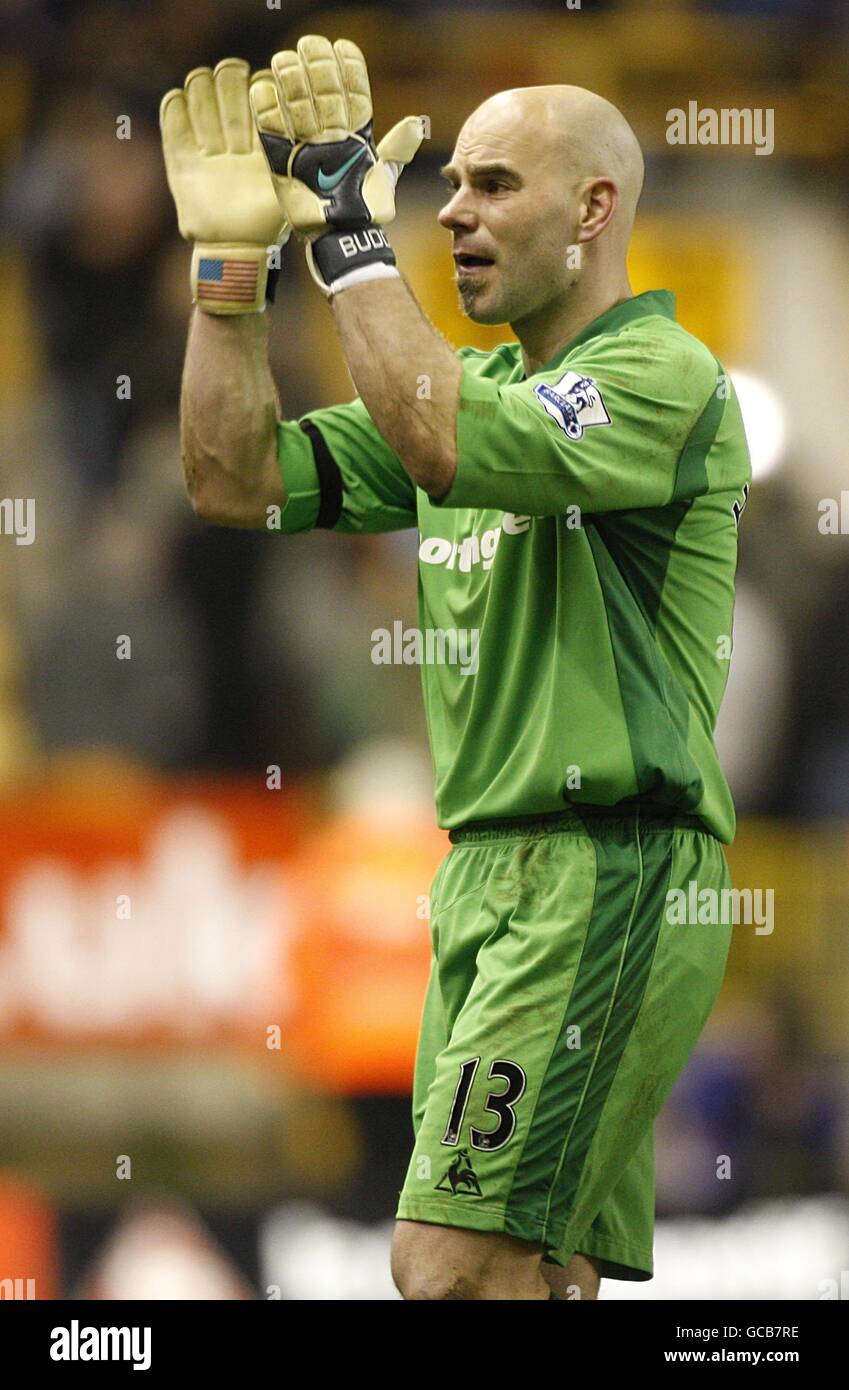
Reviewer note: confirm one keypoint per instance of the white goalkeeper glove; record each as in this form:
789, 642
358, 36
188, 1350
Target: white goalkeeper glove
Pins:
336, 189
218, 176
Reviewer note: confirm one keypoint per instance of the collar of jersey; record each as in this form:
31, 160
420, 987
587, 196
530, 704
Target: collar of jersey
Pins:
640, 306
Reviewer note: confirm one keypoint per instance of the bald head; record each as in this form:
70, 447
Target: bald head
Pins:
576, 134
545, 183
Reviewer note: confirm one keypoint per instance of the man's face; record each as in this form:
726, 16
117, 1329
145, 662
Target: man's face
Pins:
511, 214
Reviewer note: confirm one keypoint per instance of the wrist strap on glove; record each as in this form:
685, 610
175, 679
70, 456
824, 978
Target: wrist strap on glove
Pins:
229, 279
340, 259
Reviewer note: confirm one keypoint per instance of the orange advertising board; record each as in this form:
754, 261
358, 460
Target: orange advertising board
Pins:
184, 914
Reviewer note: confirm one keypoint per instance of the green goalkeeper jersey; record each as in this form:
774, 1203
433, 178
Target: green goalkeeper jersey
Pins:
576, 584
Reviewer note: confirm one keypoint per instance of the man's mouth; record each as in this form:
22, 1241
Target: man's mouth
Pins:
472, 265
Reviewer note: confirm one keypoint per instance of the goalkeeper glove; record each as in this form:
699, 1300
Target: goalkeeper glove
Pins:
337, 191
219, 180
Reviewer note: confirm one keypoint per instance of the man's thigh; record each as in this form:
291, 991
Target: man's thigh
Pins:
561, 1007
448, 1263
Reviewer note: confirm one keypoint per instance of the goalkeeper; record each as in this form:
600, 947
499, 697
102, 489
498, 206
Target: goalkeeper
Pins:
577, 494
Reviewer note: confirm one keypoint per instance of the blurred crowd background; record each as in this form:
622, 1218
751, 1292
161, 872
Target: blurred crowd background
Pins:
256, 788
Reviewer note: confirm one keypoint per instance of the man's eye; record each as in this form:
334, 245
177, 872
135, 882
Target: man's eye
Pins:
493, 185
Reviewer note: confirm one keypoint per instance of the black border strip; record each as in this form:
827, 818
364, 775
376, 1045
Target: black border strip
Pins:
329, 478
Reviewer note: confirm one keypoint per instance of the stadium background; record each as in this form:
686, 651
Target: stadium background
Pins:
211, 970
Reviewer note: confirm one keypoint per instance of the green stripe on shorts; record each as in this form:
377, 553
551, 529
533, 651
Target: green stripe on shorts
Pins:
631, 882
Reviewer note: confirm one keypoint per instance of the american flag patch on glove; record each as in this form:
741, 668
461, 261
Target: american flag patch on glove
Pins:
220, 280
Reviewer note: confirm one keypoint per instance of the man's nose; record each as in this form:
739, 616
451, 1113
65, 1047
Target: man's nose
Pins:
456, 212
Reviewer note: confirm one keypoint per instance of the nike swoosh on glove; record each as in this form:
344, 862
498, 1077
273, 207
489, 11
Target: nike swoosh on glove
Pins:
335, 187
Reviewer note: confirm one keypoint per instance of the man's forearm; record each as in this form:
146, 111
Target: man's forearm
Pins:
228, 420
407, 375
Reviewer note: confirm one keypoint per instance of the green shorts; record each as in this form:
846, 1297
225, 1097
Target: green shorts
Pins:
562, 1004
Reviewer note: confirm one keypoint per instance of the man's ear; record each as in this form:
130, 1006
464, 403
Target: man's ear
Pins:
599, 201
